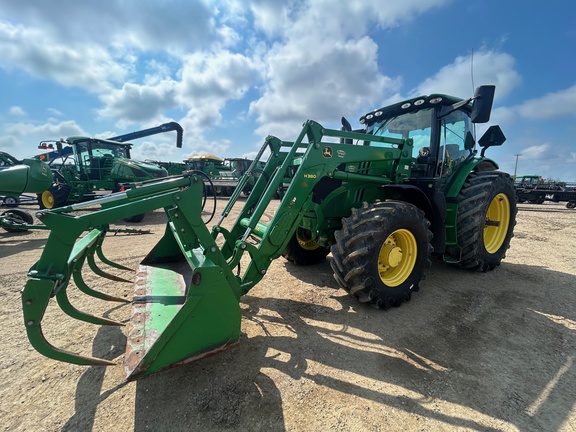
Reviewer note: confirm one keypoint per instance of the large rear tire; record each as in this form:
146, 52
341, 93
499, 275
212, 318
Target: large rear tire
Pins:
303, 250
381, 252
486, 218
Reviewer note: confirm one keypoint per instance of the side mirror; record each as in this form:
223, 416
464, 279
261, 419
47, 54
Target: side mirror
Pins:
492, 137
483, 98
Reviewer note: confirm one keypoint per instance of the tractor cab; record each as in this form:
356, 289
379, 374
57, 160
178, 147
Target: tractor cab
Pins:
440, 126
96, 157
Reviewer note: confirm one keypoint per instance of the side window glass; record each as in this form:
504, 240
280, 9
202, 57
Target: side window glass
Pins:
453, 135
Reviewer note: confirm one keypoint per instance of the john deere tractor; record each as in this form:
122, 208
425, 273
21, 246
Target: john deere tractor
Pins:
84, 165
382, 199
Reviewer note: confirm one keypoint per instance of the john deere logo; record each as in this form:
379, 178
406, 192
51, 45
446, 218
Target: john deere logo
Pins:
327, 153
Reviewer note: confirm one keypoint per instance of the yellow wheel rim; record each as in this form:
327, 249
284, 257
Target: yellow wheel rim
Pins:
397, 257
497, 223
47, 199
305, 241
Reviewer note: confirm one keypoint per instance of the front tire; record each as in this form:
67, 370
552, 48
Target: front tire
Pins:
381, 252
486, 218
56, 196
303, 250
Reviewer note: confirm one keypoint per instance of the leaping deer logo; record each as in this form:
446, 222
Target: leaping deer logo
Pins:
327, 153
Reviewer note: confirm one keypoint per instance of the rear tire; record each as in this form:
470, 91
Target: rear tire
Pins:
571, 204
302, 250
381, 252
486, 218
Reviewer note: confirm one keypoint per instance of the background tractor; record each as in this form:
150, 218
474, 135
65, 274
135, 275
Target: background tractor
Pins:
382, 199
82, 166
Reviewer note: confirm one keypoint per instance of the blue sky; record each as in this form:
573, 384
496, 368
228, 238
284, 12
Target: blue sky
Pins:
231, 72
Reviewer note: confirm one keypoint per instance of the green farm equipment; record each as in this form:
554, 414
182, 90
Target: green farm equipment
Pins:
18, 177
382, 199
86, 165
222, 175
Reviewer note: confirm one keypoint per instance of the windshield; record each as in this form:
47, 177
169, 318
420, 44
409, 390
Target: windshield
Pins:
102, 149
416, 125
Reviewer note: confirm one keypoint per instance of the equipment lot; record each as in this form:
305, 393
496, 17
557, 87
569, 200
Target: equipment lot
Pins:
471, 351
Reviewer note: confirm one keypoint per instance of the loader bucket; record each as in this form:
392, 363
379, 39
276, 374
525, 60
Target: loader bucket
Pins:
183, 310
186, 300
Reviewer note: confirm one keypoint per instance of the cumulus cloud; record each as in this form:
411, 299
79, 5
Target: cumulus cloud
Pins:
135, 103
129, 24
86, 66
552, 105
490, 67
323, 68
46, 130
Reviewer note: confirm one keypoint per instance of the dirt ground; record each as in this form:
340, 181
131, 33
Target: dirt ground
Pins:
471, 351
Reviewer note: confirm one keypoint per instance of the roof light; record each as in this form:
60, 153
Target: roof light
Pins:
419, 102
406, 105
378, 113
435, 100
369, 117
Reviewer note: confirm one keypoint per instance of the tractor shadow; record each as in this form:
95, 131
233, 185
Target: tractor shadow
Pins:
476, 341
14, 243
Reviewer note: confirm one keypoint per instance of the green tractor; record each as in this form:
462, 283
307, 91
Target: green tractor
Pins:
382, 199
82, 166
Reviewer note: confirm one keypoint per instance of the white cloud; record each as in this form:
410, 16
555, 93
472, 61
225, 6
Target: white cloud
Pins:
134, 103
17, 111
323, 65
552, 105
86, 66
489, 67
538, 152
129, 24
47, 130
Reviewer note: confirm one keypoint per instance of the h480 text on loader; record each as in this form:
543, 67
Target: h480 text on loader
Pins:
381, 199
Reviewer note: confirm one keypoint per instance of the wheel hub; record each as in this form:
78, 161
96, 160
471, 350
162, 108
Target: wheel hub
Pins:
392, 255
48, 199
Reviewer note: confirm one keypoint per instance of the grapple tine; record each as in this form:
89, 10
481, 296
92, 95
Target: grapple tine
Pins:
69, 309
35, 297
100, 272
106, 260
82, 286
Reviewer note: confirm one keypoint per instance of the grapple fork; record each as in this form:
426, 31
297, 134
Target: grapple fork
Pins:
186, 303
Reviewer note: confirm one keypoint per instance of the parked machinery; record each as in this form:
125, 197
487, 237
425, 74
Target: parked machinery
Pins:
383, 199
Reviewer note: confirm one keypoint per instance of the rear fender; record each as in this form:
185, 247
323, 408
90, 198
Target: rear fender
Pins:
456, 181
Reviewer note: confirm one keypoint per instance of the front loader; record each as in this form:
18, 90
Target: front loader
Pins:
381, 199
